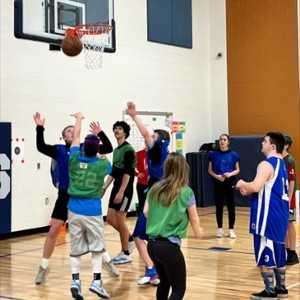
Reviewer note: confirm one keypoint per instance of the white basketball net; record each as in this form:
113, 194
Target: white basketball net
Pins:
93, 37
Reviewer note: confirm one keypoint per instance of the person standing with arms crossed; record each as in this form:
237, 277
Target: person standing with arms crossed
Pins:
124, 163
169, 208
60, 178
223, 166
157, 153
291, 236
269, 215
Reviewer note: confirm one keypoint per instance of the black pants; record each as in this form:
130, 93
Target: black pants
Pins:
170, 266
141, 193
224, 191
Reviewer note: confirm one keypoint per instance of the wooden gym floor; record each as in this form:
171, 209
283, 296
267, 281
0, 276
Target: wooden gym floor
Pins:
216, 268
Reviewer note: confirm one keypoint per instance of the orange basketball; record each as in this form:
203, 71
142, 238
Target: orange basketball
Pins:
71, 45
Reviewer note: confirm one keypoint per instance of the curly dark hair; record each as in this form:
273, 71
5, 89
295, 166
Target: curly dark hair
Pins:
125, 127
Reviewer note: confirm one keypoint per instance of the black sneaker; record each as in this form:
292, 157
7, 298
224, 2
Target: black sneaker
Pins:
264, 295
292, 260
282, 293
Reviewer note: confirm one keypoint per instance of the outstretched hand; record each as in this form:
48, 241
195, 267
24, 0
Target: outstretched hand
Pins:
78, 115
38, 120
131, 110
95, 127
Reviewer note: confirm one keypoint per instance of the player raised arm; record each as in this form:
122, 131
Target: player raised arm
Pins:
105, 146
131, 111
77, 129
38, 120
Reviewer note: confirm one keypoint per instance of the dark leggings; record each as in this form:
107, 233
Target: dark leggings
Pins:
225, 191
170, 266
141, 193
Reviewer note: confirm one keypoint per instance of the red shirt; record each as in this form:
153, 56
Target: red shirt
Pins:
290, 167
142, 167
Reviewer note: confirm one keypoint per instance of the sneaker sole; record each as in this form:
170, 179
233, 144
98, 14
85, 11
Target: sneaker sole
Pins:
43, 281
143, 281
98, 294
263, 298
111, 273
119, 262
146, 281
155, 281
75, 294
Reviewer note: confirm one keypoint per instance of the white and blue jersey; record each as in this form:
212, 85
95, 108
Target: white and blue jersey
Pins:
270, 207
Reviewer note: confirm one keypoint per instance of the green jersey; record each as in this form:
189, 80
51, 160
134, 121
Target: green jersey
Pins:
86, 178
169, 221
120, 155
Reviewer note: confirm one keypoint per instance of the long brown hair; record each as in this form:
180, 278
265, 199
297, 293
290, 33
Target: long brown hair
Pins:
176, 174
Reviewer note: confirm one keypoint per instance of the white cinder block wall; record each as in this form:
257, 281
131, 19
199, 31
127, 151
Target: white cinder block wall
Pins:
191, 83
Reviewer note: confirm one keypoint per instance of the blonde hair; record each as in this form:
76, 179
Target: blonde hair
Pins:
63, 133
176, 174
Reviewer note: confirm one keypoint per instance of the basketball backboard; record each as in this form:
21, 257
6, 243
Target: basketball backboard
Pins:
47, 20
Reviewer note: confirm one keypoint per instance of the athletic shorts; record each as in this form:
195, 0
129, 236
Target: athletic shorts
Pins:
60, 210
124, 204
140, 227
292, 215
269, 253
86, 234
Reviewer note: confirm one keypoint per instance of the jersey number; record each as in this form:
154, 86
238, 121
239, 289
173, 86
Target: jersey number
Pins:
87, 180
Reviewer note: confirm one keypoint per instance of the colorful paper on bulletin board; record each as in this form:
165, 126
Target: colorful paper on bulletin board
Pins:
182, 126
175, 126
179, 142
178, 126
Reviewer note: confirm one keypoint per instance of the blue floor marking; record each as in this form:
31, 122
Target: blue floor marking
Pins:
219, 248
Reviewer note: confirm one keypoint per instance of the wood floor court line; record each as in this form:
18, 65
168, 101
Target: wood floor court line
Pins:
114, 241
211, 274
3, 297
183, 247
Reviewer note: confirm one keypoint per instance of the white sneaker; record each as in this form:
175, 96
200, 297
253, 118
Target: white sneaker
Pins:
232, 234
98, 289
41, 275
131, 246
122, 258
150, 276
220, 233
111, 269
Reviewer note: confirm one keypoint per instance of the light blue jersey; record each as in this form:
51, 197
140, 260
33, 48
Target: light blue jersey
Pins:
270, 207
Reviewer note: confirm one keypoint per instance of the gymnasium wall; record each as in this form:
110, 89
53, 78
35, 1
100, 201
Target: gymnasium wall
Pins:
263, 73
192, 83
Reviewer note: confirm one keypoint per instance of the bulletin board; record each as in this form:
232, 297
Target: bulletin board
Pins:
152, 120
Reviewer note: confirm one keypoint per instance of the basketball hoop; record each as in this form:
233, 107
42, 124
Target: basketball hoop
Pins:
93, 38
